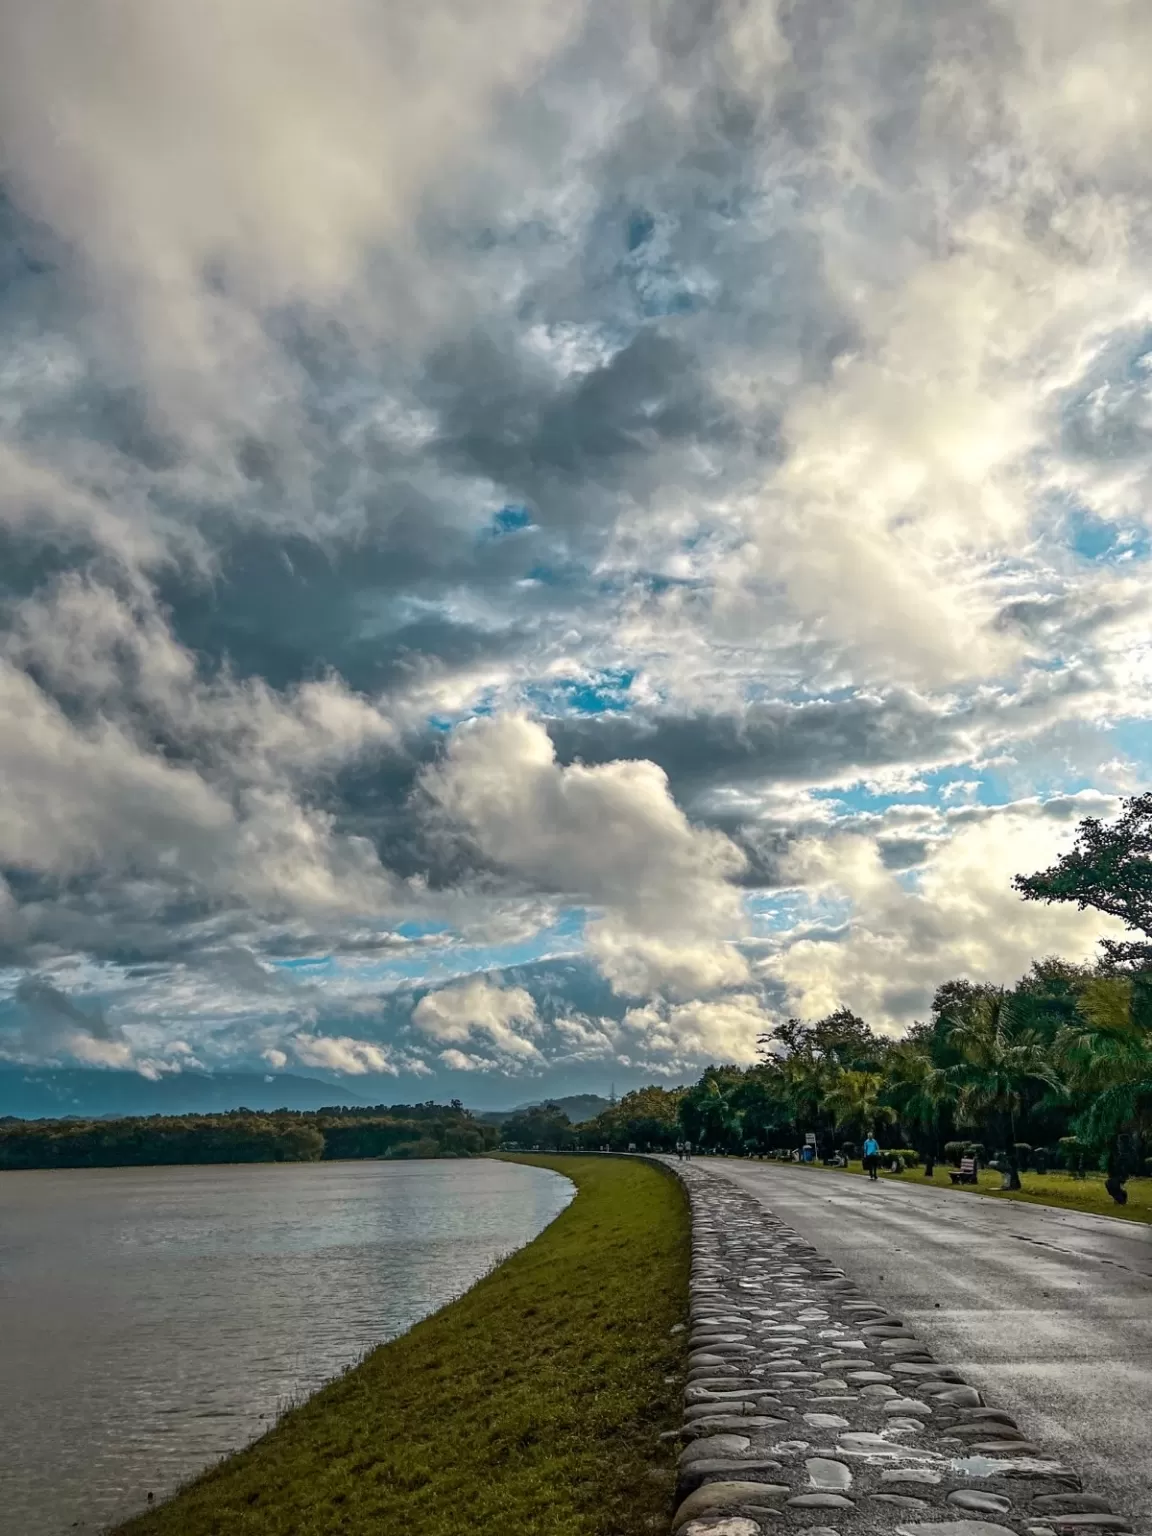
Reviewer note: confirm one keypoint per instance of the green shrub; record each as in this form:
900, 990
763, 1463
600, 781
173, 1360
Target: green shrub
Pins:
954, 1151
907, 1155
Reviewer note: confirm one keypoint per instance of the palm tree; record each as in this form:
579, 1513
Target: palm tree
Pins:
920, 1091
1107, 1057
806, 1080
853, 1101
998, 1059
709, 1111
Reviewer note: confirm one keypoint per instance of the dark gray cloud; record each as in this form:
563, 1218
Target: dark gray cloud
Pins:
811, 742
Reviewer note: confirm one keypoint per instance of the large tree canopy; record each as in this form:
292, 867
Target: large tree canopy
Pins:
1110, 869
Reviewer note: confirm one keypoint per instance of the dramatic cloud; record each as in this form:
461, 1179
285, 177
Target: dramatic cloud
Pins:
534, 537
610, 837
54, 1026
501, 1019
671, 1039
959, 917
340, 1054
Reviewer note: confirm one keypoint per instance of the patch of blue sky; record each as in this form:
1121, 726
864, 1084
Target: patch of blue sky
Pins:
1056, 782
1103, 414
955, 784
480, 708
784, 912
306, 966
601, 693
1103, 542
420, 930
507, 521
447, 962
660, 284
1133, 740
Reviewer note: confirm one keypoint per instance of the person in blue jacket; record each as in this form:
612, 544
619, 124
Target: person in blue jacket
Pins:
872, 1156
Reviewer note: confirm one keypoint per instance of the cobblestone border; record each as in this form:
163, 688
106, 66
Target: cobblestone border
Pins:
809, 1406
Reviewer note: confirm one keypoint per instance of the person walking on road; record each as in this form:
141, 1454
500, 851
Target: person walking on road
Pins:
872, 1156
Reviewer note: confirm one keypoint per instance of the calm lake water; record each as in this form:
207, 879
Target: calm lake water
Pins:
154, 1319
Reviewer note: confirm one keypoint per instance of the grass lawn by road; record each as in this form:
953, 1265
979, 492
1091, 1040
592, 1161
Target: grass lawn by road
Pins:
533, 1404
1086, 1194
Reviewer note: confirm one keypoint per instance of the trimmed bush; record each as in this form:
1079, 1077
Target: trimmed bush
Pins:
954, 1151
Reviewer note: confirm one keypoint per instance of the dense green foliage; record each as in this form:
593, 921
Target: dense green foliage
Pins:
535, 1403
1110, 869
285, 1136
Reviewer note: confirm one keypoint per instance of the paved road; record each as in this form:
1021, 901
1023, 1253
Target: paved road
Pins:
1050, 1310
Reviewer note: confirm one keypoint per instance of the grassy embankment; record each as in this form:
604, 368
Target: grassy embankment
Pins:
532, 1404
1086, 1194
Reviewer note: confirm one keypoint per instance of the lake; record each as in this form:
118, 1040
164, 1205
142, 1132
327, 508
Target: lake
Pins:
154, 1319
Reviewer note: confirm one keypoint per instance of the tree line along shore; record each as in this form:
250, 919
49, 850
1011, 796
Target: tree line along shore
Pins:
242, 1136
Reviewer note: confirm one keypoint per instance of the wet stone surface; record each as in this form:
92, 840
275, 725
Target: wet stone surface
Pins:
810, 1407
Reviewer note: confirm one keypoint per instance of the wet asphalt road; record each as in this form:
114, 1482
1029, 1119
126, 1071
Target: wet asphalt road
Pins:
1050, 1311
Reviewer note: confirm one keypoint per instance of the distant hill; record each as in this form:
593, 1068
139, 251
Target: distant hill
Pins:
577, 1106
34, 1093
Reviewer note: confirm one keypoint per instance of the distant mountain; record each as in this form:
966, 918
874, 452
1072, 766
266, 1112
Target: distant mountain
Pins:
578, 1107
36, 1093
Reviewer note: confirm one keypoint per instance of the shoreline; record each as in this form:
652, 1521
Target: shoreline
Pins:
512, 1407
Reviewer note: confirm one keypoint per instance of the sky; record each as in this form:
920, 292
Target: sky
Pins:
538, 539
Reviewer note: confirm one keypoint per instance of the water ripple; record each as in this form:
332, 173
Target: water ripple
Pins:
155, 1319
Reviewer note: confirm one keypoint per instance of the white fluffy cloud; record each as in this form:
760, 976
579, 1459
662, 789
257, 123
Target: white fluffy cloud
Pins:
220, 812
501, 1020
610, 836
343, 1053
672, 1038
958, 917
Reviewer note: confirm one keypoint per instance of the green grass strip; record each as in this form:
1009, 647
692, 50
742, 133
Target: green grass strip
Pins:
533, 1404
1059, 1189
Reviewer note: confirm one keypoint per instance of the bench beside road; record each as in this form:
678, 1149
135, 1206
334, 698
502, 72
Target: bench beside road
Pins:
810, 1407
